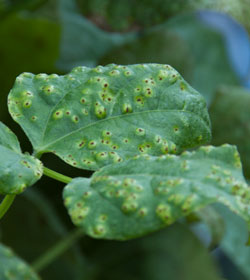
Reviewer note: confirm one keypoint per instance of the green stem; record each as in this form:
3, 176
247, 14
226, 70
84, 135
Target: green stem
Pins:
57, 176
6, 203
53, 253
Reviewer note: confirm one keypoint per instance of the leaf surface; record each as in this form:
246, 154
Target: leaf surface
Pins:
12, 267
17, 170
144, 194
94, 117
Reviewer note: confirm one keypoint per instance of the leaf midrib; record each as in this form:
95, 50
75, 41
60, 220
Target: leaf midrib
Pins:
44, 148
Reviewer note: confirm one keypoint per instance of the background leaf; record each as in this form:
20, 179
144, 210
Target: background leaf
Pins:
172, 253
94, 117
143, 194
17, 171
234, 241
186, 43
231, 121
122, 16
214, 223
12, 267
84, 50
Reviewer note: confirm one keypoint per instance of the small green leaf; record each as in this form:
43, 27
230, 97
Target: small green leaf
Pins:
17, 170
94, 117
143, 194
12, 267
8, 139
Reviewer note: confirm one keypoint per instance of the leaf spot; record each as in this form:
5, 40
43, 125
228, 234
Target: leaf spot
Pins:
75, 119
92, 144
27, 104
83, 100
140, 131
126, 108
58, 115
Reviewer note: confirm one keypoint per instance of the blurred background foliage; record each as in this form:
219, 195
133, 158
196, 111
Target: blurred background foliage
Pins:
207, 41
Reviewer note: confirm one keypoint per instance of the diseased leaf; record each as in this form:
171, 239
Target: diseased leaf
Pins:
230, 116
17, 171
94, 117
12, 267
143, 194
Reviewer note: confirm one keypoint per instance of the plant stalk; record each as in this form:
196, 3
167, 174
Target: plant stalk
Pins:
57, 176
59, 248
6, 203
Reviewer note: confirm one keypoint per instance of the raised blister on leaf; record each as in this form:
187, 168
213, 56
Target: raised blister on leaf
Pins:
136, 104
12, 267
146, 193
17, 170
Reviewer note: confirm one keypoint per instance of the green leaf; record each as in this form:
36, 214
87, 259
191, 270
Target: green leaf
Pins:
177, 247
158, 46
123, 15
173, 253
144, 194
234, 241
82, 42
182, 42
8, 139
214, 223
231, 121
17, 171
12, 267
94, 117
